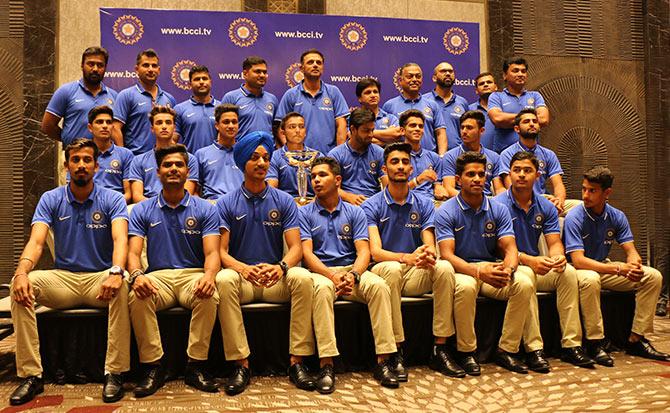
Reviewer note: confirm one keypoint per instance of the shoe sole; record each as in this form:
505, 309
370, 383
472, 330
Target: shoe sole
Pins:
113, 399
448, 374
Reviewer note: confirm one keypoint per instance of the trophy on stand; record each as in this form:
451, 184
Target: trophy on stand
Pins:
303, 160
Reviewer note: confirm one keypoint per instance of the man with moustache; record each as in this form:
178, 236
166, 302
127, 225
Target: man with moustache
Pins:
387, 129
485, 84
195, 116
451, 104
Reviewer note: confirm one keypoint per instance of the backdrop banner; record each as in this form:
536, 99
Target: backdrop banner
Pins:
354, 47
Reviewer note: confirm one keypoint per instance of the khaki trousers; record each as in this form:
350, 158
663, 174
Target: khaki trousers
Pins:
371, 290
61, 289
520, 296
234, 290
646, 290
410, 281
175, 287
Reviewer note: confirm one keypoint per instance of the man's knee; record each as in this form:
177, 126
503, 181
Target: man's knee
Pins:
299, 279
391, 271
227, 281
465, 287
524, 283
588, 280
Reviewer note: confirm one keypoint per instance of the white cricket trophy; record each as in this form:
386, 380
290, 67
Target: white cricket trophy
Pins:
302, 160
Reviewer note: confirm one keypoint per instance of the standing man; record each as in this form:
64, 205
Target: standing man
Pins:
402, 243
90, 226
335, 248
257, 107
589, 232
195, 116
504, 106
132, 107
256, 220
485, 85
451, 104
72, 101
387, 130
434, 134
217, 171
322, 105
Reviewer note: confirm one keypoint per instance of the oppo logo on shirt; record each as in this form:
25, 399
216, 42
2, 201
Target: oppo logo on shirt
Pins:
97, 217
274, 218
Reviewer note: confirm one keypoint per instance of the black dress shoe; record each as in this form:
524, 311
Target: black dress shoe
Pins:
197, 376
509, 362
153, 380
535, 361
398, 365
383, 373
661, 309
599, 355
441, 361
643, 348
299, 375
238, 381
469, 364
577, 357
27, 390
112, 390
325, 382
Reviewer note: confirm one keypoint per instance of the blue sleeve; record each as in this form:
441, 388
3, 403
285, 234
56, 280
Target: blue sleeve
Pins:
379, 152
121, 106
305, 224
438, 117
551, 225
428, 216
438, 166
496, 166
173, 101
273, 171
444, 224
393, 120
572, 234
360, 225
58, 104
386, 107
193, 170
504, 225
370, 212
127, 164
290, 214
623, 232
224, 212
286, 105
135, 173
495, 101
44, 210
137, 225
339, 103
539, 100
553, 165
178, 121
448, 165
200, 162
503, 163
117, 206
228, 98
210, 223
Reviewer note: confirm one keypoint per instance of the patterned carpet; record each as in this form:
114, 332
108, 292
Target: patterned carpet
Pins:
633, 385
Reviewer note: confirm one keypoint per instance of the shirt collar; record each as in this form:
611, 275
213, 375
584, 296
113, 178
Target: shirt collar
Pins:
525, 148
324, 211
302, 88
69, 196
103, 88
183, 203
223, 148
109, 151
533, 200
464, 205
389, 199
143, 91
407, 100
250, 196
593, 216
346, 144
196, 103
247, 93
464, 149
523, 92
439, 98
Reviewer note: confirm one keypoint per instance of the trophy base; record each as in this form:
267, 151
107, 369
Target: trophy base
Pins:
303, 200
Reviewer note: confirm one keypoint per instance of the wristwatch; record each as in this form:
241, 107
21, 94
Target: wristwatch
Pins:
116, 270
134, 275
357, 276
284, 267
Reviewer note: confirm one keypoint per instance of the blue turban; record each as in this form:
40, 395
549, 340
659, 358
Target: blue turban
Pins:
246, 145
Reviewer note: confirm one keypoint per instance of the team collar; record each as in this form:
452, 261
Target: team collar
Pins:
321, 209
533, 199
109, 151
184, 201
464, 149
595, 217
523, 92
464, 205
447, 103
223, 148
247, 93
103, 88
389, 199
527, 149
346, 143
247, 194
410, 100
302, 88
194, 102
69, 196
144, 91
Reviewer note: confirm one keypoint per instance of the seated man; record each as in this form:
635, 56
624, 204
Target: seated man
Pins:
360, 159
387, 130
255, 219
472, 231
182, 238
472, 129
217, 171
588, 233
90, 226
403, 245
335, 248
144, 182
532, 216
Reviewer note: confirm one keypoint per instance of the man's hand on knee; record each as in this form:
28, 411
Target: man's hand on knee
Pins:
23, 290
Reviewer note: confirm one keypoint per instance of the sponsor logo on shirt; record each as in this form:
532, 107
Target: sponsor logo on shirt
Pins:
345, 232
414, 217
489, 229
153, 224
609, 236
538, 221
274, 217
64, 218
97, 217
78, 100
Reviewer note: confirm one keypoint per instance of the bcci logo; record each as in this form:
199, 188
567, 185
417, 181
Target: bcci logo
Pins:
427, 110
128, 29
243, 32
274, 215
538, 220
353, 36
326, 101
373, 165
489, 166
396, 80
97, 217
346, 229
489, 227
269, 107
456, 41
414, 216
110, 102
542, 165
179, 74
191, 223
293, 75
115, 164
530, 101
609, 235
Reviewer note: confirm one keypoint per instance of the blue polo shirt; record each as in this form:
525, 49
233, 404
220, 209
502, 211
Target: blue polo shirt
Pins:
542, 218
255, 112
82, 231
421, 161
72, 102
549, 163
476, 233
489, 128
385, 120
333, 234
195, 123
132, 107
217, 171
508, 103
399, 226
583, 230
257, 222
360, 171
174, 235
287, 174
451, 112
492, 165
114, 168
432, 112
319, 112
144, 169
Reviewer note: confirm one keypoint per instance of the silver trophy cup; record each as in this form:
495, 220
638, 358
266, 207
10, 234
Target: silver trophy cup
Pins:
302, 160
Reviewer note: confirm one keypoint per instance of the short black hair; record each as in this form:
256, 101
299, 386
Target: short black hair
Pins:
225, 108
366, 83
289, 116
467, 158
600, 175
409, 64
361, 116
252, 61
169, 150
525, 155
473, 114
95, 51
81, 143
517, 60
524, 111
146, 53
332, 163
161, 109
310, 51
397, 146
197, 69
412, 113
98, 110
483, 74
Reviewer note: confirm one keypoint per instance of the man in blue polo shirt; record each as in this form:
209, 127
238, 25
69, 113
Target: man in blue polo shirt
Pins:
257, 107
195, 116
256, 219
182, 238
335, 248
360, 159
321, 103
532, 216
503, 106
473, 233
281, 174
133, 104
434, 134
402, 243
144, 180
485, 85
217, 171
451, 104
589, 232
72, 101
90, 226
387, 129
472, 129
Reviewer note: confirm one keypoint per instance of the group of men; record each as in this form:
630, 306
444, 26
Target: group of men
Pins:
214, 207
